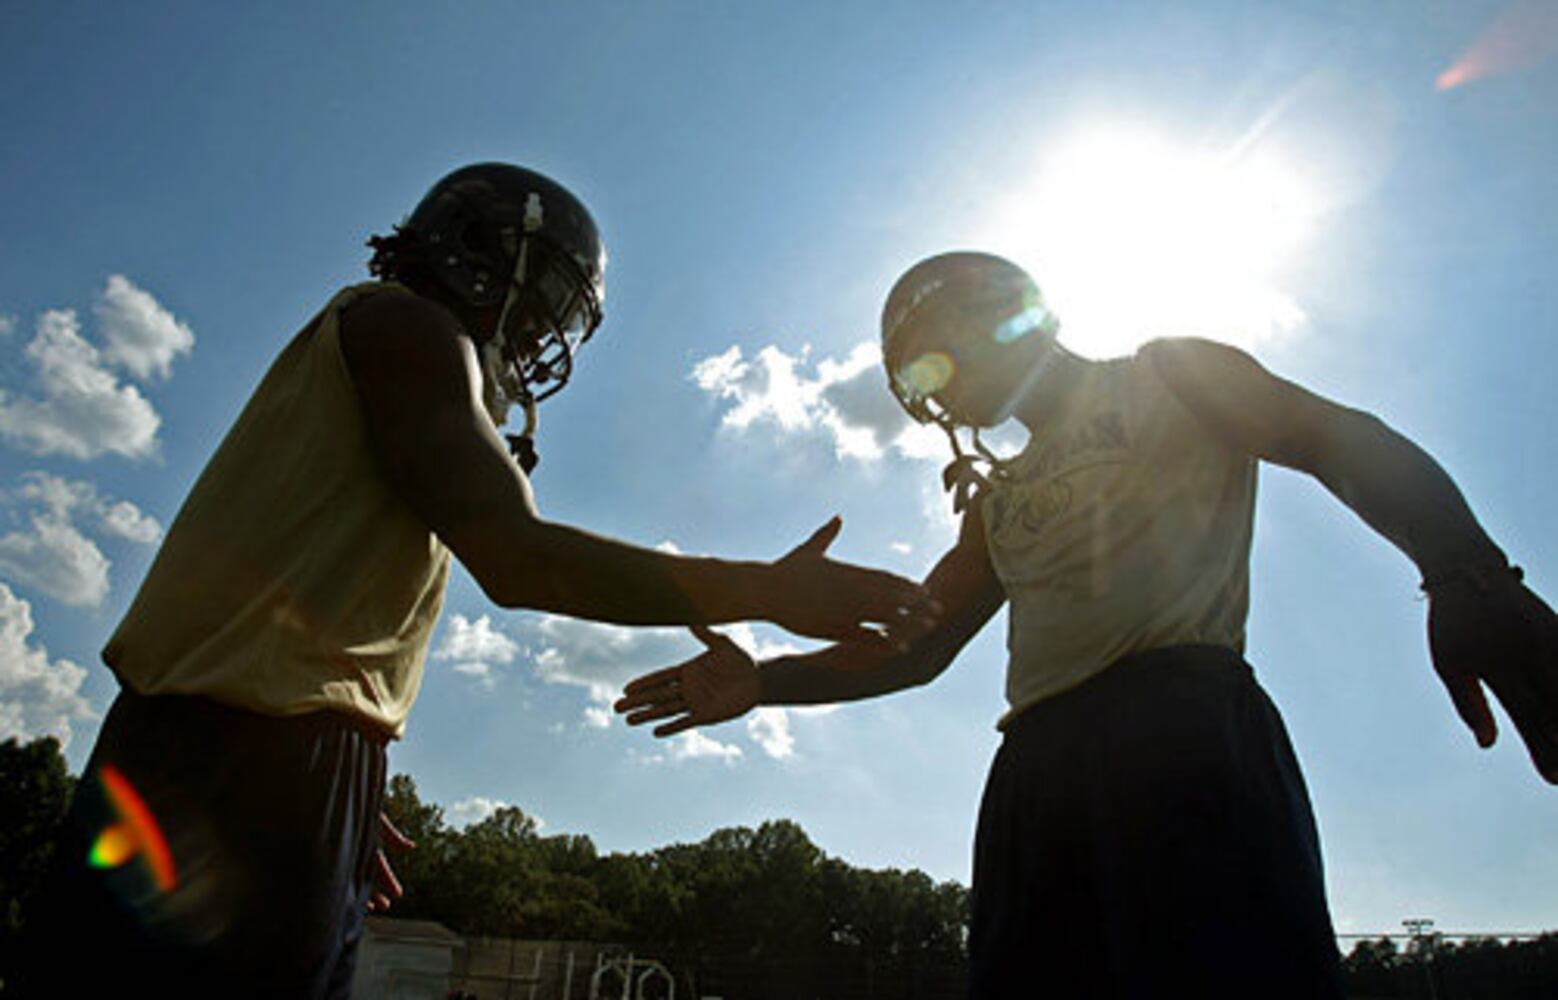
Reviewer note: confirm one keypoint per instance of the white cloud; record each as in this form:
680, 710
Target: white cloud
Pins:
769, 728
478, 807
692, 744
846, 400
83, 411
481, 673
7, 324
902, 548
602, 658
126, 520
141, 334
54, 556
474, 646
38, 696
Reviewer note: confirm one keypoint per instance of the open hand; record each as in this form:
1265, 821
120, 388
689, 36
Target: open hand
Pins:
718, 684
386, 887
815, 596
1499, 633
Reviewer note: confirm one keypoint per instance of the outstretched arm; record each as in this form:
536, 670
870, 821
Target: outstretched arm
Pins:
419, 383
724, 682
1485, 626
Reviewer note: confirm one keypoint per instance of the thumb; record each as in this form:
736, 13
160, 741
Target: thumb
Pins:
715, 641
820, 539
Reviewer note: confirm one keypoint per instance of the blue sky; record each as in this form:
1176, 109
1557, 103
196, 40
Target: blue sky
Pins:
183, 185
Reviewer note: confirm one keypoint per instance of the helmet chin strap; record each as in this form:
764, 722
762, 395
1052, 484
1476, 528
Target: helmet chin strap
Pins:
963, 477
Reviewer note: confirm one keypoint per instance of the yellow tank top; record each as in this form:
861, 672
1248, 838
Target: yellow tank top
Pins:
1123, 526
293, 578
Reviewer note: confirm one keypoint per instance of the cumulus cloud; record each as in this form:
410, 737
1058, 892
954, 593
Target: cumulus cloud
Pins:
692, 744
128, 521
78, 407
83, 411
474, 646
845, 400
7, 324
53, 555
473, 810
38, 696
141, 335
602, 658
769, 728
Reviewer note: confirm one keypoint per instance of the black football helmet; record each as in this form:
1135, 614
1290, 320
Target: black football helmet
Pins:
938, 304
944, 300
497, 235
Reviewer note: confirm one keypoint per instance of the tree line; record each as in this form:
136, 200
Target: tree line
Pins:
753, 913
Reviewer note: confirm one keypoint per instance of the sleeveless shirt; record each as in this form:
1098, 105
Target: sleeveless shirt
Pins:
293, 579
1122, 526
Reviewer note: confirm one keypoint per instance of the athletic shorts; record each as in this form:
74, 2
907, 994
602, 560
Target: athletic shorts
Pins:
256, 881
1148, 835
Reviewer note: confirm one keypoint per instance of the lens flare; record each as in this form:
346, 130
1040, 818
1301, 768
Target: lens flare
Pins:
927, 374
1033, 318
136, 833
1523, 34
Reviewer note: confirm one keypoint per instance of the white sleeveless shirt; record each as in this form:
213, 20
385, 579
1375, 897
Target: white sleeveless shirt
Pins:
1123, 526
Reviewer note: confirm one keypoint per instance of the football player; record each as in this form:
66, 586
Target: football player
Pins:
230, 807
1145, 830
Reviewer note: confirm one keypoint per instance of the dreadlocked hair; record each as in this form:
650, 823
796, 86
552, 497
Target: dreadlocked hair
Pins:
400, 256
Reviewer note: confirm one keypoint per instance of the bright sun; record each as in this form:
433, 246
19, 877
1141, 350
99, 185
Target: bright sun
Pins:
1132, 237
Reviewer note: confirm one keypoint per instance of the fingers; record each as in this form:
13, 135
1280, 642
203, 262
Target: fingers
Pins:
1535, 716
717, 642
672, 728
391, 837
654, 712
896, 600
1472, 706
650, 681
387, 887
651, 693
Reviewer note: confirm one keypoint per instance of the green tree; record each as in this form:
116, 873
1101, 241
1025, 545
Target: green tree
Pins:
35, 790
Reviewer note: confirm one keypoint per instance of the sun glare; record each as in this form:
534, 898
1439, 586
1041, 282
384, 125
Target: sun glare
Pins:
1132, 236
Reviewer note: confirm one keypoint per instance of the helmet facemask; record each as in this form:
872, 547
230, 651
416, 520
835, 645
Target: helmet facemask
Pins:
549, 311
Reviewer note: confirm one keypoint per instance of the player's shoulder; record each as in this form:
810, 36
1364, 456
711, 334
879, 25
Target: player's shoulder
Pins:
389, 310
1161, 352
1193, 365
390, 332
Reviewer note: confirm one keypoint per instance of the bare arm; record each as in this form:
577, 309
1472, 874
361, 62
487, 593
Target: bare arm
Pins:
965, 585
419, 383
1395, 486
1484, 626
724, 682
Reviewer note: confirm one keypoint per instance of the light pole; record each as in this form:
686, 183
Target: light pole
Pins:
1421, 930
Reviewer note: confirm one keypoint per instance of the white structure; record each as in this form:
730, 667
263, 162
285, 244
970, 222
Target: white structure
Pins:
404, 960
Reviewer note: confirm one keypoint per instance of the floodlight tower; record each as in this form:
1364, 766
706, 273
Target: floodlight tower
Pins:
1421, 930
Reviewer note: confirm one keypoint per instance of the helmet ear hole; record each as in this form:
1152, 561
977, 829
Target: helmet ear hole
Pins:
474, 239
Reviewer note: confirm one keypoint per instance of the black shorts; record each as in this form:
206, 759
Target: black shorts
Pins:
271, 824
1148, 835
